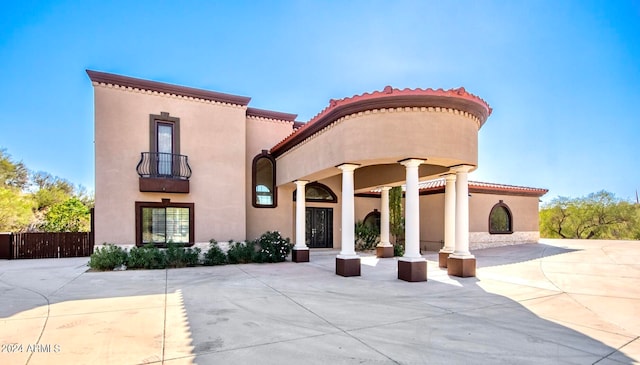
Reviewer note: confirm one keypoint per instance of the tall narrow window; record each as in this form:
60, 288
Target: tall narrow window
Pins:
164, 134
164, 144
264, 181
500, 219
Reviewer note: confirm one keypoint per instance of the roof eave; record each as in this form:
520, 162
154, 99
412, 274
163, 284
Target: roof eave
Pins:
108, 78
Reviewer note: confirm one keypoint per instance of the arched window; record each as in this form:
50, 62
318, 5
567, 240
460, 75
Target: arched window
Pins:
264, 181
500, 219
319, 193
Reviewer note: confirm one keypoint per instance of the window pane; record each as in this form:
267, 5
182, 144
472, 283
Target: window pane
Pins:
153, 225
165, 138
499, 220
161, 225
318, 193
165, 148
264, 181
263, 195
177, 225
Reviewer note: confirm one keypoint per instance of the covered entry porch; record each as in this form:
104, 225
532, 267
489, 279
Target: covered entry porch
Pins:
385, 139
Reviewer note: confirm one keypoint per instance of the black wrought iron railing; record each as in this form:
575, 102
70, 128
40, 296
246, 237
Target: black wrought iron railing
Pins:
164, 165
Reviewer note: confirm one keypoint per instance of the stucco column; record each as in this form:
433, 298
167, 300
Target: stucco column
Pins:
449, 219
384, 248
412, 266
348, 262
300, 252
461, 262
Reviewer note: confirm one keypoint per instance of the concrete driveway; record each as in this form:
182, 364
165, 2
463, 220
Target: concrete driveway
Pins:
557, 302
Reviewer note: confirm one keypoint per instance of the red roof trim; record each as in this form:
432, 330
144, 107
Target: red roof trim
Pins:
437, 186
269, 114
388, 98
107, 78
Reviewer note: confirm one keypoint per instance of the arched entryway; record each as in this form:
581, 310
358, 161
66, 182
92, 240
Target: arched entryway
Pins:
319, 216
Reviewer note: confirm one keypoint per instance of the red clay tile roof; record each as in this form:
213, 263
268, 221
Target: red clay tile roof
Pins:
477, 186
437, 186
388, 98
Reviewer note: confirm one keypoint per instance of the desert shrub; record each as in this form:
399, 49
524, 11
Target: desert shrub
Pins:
215, 255
147, 257
240, 252
398, 250
179, 256
367, 236
272, 247
108, 257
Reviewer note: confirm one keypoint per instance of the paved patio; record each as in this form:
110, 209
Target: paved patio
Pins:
560, 301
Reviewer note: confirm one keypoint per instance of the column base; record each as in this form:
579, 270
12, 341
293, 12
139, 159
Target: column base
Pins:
443, 258
301, 255
384, 251
460, 267
348, 267
412, 271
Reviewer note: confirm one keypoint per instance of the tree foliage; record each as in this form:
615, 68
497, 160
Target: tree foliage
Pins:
12, 174
15, 210
33, 201
598, 215
69, 216
396, 217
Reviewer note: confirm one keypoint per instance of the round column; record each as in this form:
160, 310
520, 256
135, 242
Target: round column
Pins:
300, 252
412, 210
461, 262
347, 262
412, 266
348, 212
462, 212
449, 219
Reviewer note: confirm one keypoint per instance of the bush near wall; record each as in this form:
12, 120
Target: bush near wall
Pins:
215, 255
270, 247
108, 257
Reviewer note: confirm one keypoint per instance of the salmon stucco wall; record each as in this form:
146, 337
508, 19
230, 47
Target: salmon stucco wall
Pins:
444, 138
262, 134
524, 211
212, 135
431, 222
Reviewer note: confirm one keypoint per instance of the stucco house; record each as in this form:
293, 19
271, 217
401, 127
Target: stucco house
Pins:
188, 165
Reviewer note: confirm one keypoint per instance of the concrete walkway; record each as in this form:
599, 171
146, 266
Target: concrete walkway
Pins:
573, 302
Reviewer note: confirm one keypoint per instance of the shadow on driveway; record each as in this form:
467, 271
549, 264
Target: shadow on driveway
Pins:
304, 313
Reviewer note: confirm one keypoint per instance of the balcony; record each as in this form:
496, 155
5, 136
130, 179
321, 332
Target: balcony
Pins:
163, 172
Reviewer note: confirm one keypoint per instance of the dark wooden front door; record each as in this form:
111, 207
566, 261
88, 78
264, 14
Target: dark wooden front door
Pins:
319, 227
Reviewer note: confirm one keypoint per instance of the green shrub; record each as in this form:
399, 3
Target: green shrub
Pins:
367, 236
108, 257
147, 257
179, 256
240, 252
398, 250
192, 256
272, 247
215, 255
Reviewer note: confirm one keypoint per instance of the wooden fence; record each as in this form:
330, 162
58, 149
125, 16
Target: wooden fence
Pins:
45, 245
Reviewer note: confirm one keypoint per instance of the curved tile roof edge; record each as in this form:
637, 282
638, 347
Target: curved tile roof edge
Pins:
108, 78
439, 183
388, 97
479, 185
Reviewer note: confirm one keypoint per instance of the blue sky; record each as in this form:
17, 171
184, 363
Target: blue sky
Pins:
563, 77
